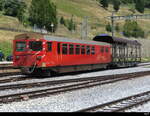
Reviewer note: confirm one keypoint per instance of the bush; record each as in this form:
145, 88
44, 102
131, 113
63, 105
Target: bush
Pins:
139, 5
62, 20
104, 3
1, 5
108, 27
132, 29
69, 23
117, 28
15, 8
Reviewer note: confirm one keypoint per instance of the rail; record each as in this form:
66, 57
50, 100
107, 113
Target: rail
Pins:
121, 104
74, 84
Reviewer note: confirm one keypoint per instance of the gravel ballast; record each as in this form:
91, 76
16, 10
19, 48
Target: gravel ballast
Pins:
76, 100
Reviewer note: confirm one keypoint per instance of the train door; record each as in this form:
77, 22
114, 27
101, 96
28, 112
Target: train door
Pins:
51, 54
59, 54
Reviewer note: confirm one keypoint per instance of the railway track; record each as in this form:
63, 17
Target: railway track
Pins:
143, 64
102, 79
7, 69
121, 104
13, 79
74, 84
2, 67
6, 65
9, 74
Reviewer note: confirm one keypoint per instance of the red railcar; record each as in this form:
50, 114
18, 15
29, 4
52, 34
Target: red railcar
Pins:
40, 54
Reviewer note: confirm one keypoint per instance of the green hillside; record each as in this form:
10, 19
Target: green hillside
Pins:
97, 17
78, 9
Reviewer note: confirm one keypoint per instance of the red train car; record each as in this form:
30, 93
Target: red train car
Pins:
40, 54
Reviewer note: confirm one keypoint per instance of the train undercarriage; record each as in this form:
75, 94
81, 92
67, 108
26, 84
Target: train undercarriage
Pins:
52, 71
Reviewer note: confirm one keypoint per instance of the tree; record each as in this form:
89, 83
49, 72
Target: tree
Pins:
117, 28
43, 13
15, 8
116, 5
104, 3
108, 27
140, 5
126, 1
1, 5
11, 7
71, 24
147, 3
21, 11
62, 20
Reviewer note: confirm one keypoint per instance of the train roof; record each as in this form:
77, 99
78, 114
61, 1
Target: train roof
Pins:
28, 36
112, 40
55, 38
64, 39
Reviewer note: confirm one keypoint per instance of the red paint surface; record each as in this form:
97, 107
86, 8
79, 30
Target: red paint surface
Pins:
52, 59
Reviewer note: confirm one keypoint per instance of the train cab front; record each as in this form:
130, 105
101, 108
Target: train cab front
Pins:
27, 55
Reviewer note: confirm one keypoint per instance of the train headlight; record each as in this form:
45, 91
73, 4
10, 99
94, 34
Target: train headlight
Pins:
39, 57
43, 64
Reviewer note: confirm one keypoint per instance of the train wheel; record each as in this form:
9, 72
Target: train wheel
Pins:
47, 73
25, 71
54, 73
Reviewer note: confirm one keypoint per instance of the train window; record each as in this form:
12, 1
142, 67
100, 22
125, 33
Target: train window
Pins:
35, 45
107, 50
102, 49
49, 46
93, 50
71, 49
64, 49
77, 49
20, 46
83, 50
88, 50
58, 48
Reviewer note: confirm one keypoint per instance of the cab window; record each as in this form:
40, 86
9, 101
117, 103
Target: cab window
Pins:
35, 45
20, 46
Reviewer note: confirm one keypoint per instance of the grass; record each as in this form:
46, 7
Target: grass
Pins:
70, 7
146, 59
6, 48
6, 41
